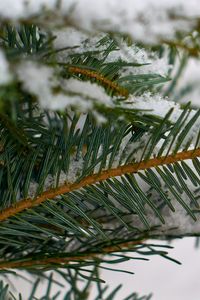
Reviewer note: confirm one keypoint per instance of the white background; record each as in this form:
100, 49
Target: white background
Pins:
165, 279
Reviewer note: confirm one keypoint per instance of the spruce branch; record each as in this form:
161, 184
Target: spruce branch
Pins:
62, 261
95, 178
191, 51
85, 190
101, 79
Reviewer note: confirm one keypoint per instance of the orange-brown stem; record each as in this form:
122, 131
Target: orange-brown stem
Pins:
95, 178
105, 81
63, 261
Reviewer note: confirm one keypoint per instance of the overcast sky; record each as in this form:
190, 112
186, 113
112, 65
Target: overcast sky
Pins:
167, 280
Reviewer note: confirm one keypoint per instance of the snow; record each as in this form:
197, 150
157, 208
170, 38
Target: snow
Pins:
41, 81
178, 223
36, 78
5, 75
146, 20
88, 89
189, 82
74, 171
154, 104
147, 61
22, 9
133, 54
68, 37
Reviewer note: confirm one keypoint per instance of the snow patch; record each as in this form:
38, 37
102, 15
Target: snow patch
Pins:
5, 75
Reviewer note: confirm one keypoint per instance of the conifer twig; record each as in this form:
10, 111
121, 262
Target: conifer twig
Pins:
105, 81
95, 178
194, 52
63, 261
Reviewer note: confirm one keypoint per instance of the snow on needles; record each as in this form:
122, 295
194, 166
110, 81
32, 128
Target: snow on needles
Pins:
77, 42
146, 20
150, 62
54, 94
155, 104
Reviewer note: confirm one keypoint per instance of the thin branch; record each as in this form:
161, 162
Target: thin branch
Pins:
105, 81
95, 178
63, 261
191, 50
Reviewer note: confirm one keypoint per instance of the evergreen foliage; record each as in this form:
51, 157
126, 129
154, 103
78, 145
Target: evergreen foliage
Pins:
88, 184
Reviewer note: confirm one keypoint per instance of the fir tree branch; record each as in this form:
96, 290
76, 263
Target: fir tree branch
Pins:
63, 261
95, 178
99, 77
192, 51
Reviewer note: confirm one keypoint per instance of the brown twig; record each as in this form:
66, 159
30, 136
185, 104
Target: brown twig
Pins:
63, 261
191, 50
95, 178
105, 81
